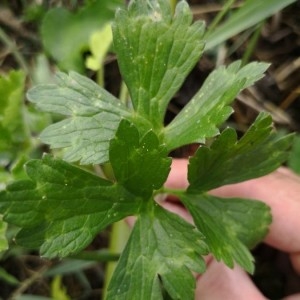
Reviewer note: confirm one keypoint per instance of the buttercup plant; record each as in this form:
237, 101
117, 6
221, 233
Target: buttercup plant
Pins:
61, 207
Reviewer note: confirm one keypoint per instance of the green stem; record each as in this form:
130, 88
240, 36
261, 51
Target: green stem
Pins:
100, 76
219, 17
123, 96
173, 4
252, 43
119, 236
174, 192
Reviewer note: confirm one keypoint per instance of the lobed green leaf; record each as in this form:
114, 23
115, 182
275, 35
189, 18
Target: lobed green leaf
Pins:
139, 163
162, 251
61, 208
155, 53
229, 225
93, 117
228, 160
209, 107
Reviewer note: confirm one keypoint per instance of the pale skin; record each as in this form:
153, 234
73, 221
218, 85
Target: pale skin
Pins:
281, 191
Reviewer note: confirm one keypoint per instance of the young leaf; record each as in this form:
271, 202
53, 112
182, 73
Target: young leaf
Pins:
94, 116
100, 43
66, 35
227, 161
228, 224
155, 53
162, 251
140, 164
209, 107
61, 208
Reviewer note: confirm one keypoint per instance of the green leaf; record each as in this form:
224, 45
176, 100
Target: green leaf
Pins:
100, 43
229, 224
250, 14
209, 107
294, 157
62, 207
58, 290
257, 153
13, 134
66, 35
140, 163
162, 251
94, 116
3, 239
155, 53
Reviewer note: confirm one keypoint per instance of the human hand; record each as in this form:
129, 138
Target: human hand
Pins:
281, 191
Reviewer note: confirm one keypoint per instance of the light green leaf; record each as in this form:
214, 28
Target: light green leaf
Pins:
229, 224
209, 107
250, 14
66, 35
155, 53
3, 239
162, 251
227, 161
58, 291
94, 116
62, 207
13, 134
100, 42
140, 163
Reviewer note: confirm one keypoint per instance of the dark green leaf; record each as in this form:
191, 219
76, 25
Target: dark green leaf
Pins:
162, 250
155, 53
62, 207
66, 35
140, 164
294, 158
228, 160
94, 116
209, 107
229, 225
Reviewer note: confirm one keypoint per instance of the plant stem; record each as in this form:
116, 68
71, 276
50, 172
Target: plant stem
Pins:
219, 17
252, 43
100, 76
173, 4
119, 236
123, 96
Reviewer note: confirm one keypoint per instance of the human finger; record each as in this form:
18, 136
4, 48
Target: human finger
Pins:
177, 178
220, 282
281, 191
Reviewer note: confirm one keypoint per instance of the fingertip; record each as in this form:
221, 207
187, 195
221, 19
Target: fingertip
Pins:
178, 174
